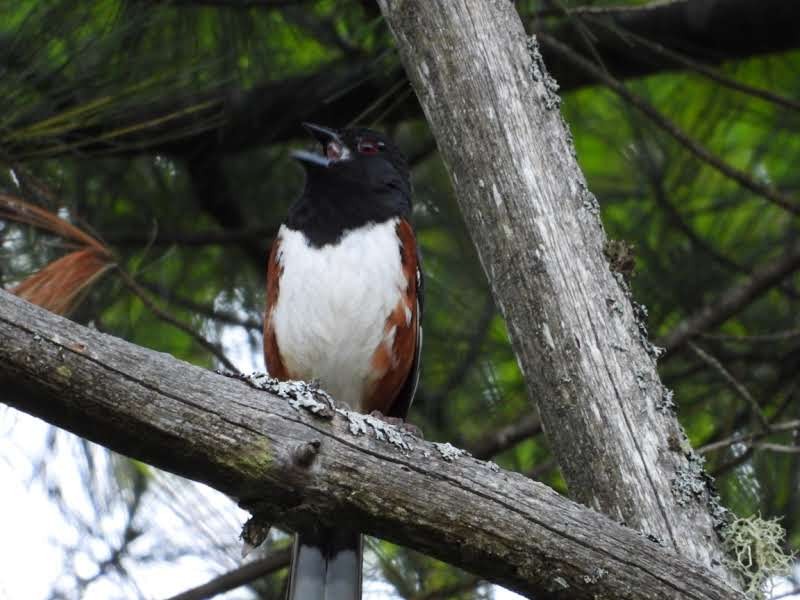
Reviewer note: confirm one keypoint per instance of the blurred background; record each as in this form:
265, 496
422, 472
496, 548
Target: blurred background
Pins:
163, 130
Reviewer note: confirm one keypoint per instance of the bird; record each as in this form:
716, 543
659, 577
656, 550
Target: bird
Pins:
344, 308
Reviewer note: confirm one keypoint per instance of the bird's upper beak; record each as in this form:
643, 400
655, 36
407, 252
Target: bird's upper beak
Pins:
333, 148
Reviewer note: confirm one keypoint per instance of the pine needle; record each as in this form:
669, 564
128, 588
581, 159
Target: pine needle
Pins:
61, 285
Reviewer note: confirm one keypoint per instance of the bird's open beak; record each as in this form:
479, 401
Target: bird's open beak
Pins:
333, 148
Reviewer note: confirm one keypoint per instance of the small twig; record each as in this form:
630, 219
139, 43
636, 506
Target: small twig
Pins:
541, 469
745, 456
421, 154
613, 10
192, 238
777, 448
770, 193
738, 387
749, 438
238, 577
705, 70
654, 174
202, 309
241, 4
506, 437
137, 290
392, 93
732, 300
474, 345
451, 590
780, 336
720, 470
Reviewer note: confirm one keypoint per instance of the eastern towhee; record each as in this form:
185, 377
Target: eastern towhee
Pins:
344, 307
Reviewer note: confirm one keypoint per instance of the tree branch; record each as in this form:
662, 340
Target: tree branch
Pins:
248, 443
732, 300
213, 194
505, 437
268, 112
710, 32
769, 192
711, 73
163, 315
238, 577
748, 438
223, 237
735, 384
169, 295
241, 4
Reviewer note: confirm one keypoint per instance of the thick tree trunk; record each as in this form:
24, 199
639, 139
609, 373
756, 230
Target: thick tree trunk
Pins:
580, 341
287, 455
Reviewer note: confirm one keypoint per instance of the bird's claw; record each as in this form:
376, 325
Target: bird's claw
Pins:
402, 424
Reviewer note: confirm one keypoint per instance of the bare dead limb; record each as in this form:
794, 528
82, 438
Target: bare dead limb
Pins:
163, 315
732, 300
242, 441
238, 577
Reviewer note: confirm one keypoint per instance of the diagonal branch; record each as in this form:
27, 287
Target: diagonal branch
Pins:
711, 32
205, 310
743, 179
163, 315
245, 574
223, 237
735, 384
700, 67
506, 437
212, 192
732, 300
242, 4
748, 438
254, 445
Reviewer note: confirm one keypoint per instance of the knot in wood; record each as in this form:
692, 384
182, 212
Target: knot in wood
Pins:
305, 453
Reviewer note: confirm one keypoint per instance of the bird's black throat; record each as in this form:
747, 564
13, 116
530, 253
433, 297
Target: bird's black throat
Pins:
337, 200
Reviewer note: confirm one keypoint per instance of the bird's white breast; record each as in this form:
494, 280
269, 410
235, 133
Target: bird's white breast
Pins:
333, 304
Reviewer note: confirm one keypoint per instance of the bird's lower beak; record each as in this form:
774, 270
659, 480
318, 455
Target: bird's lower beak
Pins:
333, 149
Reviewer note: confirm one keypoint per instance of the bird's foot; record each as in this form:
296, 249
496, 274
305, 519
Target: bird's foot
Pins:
231, 374
407, 427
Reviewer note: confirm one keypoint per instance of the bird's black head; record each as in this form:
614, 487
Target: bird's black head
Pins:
360, 177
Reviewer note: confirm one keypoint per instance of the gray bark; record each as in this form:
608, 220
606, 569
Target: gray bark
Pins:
579, 340
294, 460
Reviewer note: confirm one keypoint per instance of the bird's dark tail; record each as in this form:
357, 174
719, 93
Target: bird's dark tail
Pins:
326, 565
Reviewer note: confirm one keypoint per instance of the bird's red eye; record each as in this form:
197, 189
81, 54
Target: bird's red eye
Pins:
369, 147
